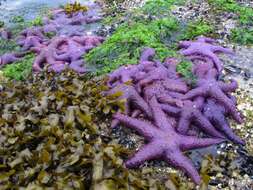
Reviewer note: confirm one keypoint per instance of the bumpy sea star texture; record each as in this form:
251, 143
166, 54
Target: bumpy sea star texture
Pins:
204, 47
66, 48
172, 115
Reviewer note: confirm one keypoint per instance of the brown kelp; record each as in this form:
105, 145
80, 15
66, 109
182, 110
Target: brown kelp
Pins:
53, 134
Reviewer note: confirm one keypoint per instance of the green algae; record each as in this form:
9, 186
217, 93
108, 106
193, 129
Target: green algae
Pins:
7, 46
243, 33
197, 28
160, 8
184, 68
36, 22
126, 44
162, 31
19, 70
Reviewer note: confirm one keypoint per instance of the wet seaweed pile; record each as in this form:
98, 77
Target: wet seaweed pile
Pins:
51, 135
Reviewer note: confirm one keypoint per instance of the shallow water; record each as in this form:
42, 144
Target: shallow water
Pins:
29, 9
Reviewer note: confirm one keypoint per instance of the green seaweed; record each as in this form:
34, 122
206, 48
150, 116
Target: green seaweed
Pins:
19, 70
163, 32
8, 46
17, 19
125, 45
2, 24
36, 22
243, 33
185, 69
160, 8
197, 28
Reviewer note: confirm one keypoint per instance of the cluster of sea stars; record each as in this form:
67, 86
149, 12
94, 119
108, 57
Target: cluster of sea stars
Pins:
171, 114
65, 50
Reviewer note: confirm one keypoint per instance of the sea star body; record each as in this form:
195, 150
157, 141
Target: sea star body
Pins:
8, 58
29, 42
210, 87
47, 54
217, 115
164, 142
204, 47
190, 112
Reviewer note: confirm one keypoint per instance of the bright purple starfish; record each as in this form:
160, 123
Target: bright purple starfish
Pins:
132, 97
210, 87
8, 58
164, 142
204, 47
217, 115
191, 112
29, 42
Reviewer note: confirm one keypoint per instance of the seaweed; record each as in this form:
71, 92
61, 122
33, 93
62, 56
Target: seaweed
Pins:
141, 28
184, 68
125, 45
7, 46
36, 22
55, 128
242, 34
19, 70
197, 28
71, 8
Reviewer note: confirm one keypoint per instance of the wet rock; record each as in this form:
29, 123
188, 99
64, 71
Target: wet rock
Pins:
232, 69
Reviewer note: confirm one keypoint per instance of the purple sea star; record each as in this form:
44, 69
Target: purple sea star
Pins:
210, 87
29, 42
47, 54
204, 47
10, 58
216, 114
164, 142
133, 99
191, 112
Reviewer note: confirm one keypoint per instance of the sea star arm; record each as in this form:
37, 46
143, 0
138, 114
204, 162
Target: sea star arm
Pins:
177, 159
159, 116
147, 54
216, 114
224, 127
175, 85
144, 128
61, 57
147, 152
231, 87
199, 91
205, 124
228, 103
77, 66
167, 99
222, 50
190, 112
189, 142
171, 110
184, 123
